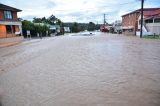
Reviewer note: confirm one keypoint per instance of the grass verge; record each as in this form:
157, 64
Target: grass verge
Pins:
152, 37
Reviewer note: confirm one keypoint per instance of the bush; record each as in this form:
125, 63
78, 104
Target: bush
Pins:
34, 29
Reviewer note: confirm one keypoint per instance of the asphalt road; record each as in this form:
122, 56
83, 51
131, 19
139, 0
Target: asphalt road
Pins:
98, 70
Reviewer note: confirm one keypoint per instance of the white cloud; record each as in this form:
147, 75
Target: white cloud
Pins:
77, 10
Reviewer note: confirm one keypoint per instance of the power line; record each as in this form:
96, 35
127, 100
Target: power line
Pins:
87, 9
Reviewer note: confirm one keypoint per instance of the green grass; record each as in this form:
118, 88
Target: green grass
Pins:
152, 37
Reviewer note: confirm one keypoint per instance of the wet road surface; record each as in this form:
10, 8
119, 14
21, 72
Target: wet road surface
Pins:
98, 70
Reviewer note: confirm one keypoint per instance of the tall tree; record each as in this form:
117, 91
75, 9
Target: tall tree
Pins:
52, 20
75, 27
37, 20
91, 26
27, 25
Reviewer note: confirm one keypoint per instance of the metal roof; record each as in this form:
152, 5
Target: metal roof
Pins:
145, 10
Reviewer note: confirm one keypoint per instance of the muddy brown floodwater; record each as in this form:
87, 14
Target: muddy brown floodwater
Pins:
98, 70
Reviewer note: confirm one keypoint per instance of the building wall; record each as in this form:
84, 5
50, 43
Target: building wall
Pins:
14, 22
154, 28
131, 20
2, 31
4, 34
1, 14
17, 29
14, 15
127, 32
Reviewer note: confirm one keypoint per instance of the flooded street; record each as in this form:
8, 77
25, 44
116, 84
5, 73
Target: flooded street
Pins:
98, 70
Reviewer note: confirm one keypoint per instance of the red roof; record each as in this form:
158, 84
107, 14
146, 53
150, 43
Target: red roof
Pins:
152, 13
147, 12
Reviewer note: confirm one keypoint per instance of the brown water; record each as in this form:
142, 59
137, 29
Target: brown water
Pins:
99, 70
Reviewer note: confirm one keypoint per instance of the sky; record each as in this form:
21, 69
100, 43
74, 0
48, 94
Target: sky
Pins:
82, 11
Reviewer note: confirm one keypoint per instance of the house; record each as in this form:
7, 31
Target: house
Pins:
10, 25
151, 24
117, 25
54, 29
67, 29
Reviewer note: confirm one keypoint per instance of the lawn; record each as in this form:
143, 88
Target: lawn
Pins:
152, 37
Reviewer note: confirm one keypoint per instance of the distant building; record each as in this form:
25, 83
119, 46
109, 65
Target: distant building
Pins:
10, 25
55, 29
151, 24
117, 25
67, 29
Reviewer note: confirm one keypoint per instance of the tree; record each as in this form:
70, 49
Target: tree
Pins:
58, 22
27, 25
75, 27
44, 20
97, 27
52, 19
34, 28
91, 26
37, 20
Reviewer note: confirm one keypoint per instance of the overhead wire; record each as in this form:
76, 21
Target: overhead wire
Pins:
88, 9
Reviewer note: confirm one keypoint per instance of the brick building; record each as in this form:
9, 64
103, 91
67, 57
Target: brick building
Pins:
131, 21
10, 25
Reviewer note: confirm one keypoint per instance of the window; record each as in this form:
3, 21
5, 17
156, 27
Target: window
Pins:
130, 30
7, 15
9, 28
157, 20
149, 21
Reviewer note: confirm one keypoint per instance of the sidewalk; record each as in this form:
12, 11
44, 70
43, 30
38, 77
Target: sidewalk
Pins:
10, 41
8, 44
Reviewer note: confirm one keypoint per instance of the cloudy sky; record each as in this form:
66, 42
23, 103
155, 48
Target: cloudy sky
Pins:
78, 10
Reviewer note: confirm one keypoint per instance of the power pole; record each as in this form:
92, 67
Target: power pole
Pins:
104, 19
141, 33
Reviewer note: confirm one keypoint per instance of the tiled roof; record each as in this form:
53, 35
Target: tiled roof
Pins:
152, 13
146, 11
5, 7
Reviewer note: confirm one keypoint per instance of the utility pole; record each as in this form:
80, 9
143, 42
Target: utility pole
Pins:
141, 33
104, 19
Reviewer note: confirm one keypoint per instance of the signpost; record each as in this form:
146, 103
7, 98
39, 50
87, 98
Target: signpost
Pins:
28, 33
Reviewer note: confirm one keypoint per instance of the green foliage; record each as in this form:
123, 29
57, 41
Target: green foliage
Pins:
91, 26
52, 20
37, 20
75, 27
152, 36
27, 25
34, 29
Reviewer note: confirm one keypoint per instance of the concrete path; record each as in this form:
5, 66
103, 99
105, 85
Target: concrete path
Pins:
98, 70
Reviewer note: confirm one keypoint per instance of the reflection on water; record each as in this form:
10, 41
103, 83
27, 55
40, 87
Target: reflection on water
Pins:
99, 70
